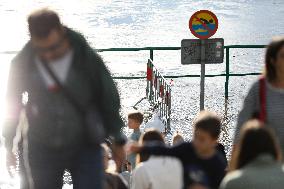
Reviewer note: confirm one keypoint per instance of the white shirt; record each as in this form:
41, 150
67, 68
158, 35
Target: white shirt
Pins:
158, 173
60, 67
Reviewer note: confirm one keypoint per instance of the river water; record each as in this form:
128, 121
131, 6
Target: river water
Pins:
144, 23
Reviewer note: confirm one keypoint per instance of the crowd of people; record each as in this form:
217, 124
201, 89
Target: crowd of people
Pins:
73, 123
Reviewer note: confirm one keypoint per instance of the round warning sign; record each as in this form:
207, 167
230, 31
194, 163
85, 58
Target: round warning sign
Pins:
203, 24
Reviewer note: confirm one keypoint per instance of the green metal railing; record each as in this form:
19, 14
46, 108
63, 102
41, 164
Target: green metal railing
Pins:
158, 93
227, 52
151, 56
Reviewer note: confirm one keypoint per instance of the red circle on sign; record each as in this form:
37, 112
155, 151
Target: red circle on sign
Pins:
210, 30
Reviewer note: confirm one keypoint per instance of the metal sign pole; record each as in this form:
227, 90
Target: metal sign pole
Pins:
190, 48
202, 76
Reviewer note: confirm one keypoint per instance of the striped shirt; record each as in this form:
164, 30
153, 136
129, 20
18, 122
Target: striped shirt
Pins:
274, 109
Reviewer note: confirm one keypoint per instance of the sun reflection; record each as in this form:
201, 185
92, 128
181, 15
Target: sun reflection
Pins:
5, 180
4, 71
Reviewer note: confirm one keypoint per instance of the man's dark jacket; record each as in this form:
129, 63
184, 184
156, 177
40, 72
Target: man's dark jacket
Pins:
53, 121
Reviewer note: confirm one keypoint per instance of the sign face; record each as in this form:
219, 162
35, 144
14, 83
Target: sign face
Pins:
203, 24
191, 51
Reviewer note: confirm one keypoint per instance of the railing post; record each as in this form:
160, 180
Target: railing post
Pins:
152, 54
227, 73
150, 81
147, 78
169, 112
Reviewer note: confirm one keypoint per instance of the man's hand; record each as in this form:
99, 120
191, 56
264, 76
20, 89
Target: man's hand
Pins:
11, 163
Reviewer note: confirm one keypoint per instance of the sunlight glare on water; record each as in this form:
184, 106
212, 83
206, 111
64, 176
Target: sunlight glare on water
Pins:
144, 23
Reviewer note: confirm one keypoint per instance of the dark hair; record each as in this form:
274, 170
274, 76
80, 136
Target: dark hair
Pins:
208, 122
270, 57
137, 116
42, 22
256, 139
148, 137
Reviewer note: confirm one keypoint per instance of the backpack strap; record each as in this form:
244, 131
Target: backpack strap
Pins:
70, 97
262, 98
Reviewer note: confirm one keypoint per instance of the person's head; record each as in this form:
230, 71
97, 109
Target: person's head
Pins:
274, 59
48, 35
149, 136
177, 139
255, 139
128, 166
207, 128
135, 119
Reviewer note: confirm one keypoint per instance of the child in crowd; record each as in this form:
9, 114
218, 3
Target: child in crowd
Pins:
112, 180
177, 138
204, 161
126, 173
135, 119
155, 171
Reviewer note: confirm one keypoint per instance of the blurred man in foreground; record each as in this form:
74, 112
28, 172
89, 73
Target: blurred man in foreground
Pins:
73, 104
